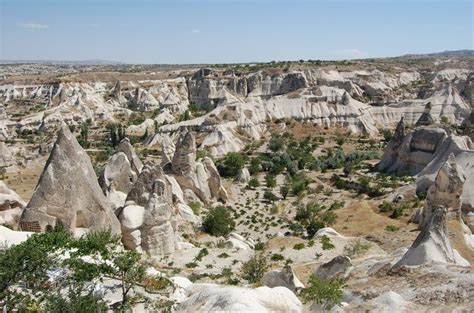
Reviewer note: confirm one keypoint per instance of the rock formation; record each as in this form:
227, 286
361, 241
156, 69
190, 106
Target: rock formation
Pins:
432, 244
426, 119
445, 192
120, 173
148, 213
68, 193
284, 277
423, 151
202, 178
212, 297
469, 125
337, 267
11, 206
442, 202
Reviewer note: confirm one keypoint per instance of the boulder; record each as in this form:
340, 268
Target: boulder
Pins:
244, 176
212, 297
68, 192
337, 267
284, 277
236, 241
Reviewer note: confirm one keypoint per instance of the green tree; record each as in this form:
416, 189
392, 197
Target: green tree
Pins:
218, 221
284, 191
28, 264
231, 164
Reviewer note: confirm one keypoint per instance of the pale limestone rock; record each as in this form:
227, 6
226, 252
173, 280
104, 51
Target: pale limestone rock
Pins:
445, 192
337, 267
432, 244
244, 176
167, 150
125, 147
68, 193
9, 199
212, 297
284, 277
148, 228
202, 178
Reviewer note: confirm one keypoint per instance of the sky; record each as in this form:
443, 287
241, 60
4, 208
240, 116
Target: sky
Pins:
230, 31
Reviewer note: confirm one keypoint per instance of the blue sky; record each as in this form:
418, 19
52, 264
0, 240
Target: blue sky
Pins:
225, 31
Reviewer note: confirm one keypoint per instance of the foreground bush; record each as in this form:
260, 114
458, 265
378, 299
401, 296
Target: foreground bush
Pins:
26, 283
326, 293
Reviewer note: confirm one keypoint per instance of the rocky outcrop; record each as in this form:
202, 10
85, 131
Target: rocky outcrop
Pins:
244, 176
120, 173
167, 150
426, 119
202, 178
212, 297
125, 147
391, 152
432, 244
147, 216
284, 277
469, 125
68, 193
9, 199
337, 267
442, 202
11, 206
445, 192
6, 157
423, 151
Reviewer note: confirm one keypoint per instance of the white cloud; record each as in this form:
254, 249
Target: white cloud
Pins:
31, 27
195, 31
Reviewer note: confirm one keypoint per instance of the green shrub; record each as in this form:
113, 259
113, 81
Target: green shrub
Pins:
277, 257
326, 243
356, 249
391, 228
195, 206
269, 196
326, 293
298, 246
254, 183
218, 222
270, 181
254, 269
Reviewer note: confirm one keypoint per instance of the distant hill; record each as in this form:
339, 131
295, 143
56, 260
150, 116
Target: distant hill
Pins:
80, 62
444, 54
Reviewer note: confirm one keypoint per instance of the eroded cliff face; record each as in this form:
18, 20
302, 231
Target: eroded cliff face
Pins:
240, 103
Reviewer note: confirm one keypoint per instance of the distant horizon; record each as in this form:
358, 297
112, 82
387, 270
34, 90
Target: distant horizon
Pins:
113, 62
230, 31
